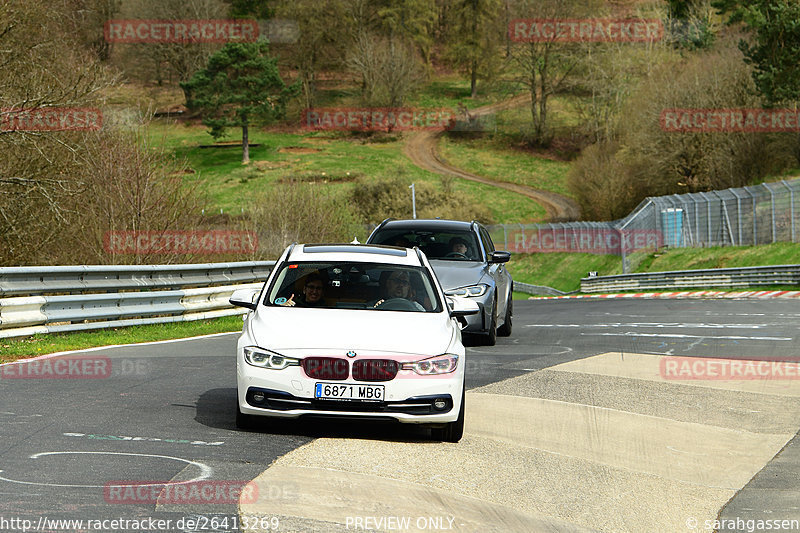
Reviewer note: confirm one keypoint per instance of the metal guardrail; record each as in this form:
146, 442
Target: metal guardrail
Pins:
538, 290
110, 296
684, 279
17, 281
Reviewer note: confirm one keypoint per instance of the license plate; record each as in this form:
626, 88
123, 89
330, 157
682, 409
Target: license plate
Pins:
349, 391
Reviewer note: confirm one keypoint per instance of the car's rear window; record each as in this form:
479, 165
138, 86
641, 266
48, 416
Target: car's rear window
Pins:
435, 244
346, 285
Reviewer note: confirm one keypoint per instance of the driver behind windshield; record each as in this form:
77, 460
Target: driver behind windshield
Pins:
458, 246
394, 285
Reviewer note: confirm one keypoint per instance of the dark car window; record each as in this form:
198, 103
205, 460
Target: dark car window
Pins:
345, 285
435, 244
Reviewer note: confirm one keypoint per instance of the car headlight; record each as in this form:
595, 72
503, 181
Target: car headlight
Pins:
266, 359
441, 364
471, 291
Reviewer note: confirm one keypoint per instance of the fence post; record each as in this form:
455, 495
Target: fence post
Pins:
772, 200
755, 222
738, 214
791, 206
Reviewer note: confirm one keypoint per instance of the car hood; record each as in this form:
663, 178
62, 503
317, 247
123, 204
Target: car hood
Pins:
455, 274
341, 330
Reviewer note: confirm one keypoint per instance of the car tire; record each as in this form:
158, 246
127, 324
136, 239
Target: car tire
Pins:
505, 329
452, 431
244, 421
491, 338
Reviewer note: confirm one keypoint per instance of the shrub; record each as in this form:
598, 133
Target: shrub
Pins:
377, 200
611, 178
300, 212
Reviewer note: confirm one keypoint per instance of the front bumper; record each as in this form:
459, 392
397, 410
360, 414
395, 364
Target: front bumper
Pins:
479, 323
409, 398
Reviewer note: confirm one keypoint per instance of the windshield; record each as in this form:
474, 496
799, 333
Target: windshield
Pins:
449, 245
348, 285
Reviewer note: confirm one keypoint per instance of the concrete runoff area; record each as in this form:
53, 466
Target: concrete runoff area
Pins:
558, 463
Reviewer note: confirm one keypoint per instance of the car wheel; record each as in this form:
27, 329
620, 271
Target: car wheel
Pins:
505, 329
491, 338
452, 431
244, 421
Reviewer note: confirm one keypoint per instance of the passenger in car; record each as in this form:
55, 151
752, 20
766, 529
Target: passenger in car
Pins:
313, 293
394, 285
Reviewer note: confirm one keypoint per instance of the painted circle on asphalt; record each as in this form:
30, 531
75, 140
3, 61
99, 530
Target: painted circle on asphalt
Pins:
205, 470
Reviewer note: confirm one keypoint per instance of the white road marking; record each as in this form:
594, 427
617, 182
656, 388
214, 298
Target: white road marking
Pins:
653, 325
684, 336
205, 470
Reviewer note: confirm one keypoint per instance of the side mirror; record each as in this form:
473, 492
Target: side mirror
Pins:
500, 257
244, 298
460, 308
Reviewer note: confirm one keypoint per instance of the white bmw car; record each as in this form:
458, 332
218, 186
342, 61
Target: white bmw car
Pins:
356, 331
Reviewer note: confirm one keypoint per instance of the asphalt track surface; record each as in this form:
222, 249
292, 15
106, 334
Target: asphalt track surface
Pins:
564, 433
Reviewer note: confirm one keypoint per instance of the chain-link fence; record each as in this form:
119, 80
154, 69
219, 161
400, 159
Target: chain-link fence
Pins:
753, 215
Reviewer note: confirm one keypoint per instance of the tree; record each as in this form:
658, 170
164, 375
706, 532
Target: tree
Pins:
85, 19
645, 159
689, 24
250, 8
43, 66
775, 50
389, 69
170, 60
475, 32
411, 21
323, 42
544, 66
240, 86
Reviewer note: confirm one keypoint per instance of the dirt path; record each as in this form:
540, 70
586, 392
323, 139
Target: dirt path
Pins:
421, 148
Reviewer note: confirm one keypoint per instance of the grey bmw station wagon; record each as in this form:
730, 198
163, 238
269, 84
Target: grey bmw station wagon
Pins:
464, 259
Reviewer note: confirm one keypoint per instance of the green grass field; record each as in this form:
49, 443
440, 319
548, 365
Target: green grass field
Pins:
564, 271
330, 159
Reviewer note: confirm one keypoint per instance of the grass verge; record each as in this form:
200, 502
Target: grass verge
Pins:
13, 349
564, 271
